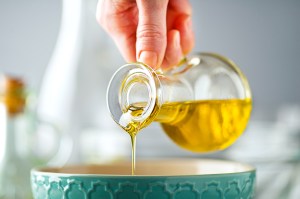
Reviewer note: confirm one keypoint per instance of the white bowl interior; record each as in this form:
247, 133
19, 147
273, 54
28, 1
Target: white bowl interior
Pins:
154, 168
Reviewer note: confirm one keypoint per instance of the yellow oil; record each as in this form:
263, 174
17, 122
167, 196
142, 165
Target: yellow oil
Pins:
199, 126
132, 128
208, 125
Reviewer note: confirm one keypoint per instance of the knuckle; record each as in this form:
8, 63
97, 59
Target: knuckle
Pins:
147, 32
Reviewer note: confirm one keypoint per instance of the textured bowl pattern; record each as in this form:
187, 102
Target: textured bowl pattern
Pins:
211, 186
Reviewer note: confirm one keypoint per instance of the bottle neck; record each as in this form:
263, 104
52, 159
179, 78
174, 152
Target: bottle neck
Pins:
134, 96
12, 104
8, 134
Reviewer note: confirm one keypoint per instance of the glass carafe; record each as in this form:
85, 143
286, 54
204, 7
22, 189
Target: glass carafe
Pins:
203, 104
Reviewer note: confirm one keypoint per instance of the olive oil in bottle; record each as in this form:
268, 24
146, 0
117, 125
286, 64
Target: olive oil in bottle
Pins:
203, 104
199, 126
203, 126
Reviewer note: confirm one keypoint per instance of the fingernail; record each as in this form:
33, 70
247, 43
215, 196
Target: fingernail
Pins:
149, 58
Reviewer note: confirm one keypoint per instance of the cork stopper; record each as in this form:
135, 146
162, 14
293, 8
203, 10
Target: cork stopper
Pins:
12, 94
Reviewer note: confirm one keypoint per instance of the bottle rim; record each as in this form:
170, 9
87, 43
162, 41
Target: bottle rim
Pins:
131, 82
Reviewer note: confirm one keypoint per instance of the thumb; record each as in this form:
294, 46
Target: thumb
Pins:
151, 32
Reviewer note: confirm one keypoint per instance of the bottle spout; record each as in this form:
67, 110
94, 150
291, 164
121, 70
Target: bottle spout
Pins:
133, 96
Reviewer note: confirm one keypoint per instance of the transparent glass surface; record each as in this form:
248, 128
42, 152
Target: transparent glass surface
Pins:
203, 104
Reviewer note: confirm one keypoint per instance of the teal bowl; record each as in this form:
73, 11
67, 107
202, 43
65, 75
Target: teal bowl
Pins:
154, 179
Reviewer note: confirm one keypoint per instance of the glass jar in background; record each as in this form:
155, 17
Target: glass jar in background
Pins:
203, 105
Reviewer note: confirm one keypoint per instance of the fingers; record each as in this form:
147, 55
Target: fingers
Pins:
126, 46
181, 6
187, 40
143, 32
173, 53
119, 19
151, 32
181, 21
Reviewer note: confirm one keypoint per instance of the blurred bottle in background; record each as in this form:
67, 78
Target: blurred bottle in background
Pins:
15, 162
73, 91
25, 141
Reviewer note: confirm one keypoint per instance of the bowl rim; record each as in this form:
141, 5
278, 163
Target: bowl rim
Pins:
41, 170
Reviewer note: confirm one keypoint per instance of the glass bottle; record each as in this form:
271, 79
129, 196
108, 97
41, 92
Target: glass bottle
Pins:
14, 166
73, 88
203, 105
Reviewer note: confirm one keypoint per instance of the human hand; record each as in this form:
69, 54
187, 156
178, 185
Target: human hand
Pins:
156, 32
